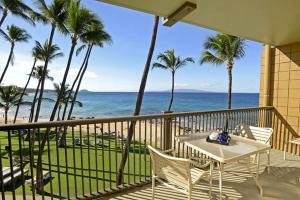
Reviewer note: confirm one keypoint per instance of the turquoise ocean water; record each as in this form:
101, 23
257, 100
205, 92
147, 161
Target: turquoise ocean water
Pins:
110, 104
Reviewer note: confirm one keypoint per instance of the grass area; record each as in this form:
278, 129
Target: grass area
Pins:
81, 169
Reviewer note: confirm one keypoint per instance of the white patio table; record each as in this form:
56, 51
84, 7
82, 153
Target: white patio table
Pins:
238, 149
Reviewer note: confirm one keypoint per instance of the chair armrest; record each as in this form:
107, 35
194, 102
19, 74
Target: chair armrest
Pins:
170, 152
195, 162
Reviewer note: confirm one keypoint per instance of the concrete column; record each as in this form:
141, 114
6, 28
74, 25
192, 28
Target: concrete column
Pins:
267, 75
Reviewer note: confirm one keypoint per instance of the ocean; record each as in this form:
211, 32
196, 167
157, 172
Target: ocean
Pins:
113, 104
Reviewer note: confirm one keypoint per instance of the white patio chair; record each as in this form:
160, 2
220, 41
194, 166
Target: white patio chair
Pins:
295, 141
262, 135
176, 173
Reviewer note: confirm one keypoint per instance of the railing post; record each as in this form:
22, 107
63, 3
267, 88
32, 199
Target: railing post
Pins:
167, 140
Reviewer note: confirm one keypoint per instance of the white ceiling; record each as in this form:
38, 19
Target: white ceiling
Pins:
275, 22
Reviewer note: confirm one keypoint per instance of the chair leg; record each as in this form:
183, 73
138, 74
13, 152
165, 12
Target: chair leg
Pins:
190, 192
269, 160
284, 151
210, 187
190, 195
153, 187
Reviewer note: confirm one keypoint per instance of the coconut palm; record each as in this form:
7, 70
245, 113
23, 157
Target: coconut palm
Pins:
9, 97
67, 97
169, 61
49, 53
16, 8
95, 36
36, 54
55, 15
224, 48
139, 101
14, 35
39, 74
77, 22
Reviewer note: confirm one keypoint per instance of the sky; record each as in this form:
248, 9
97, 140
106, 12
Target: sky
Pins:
118, 67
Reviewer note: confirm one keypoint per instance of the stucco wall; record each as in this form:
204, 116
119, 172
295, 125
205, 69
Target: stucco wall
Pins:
284, 82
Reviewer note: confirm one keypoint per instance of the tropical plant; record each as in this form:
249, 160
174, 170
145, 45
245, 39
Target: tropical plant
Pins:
224, 48
9, 97
39, 74
67, 97
77, 22
54, 14
17, 8
14, 35
169, 61
36, 55
139, 101
45, 52
95, 36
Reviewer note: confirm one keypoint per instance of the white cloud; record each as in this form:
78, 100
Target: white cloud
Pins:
17, 74
181, 85
59, 70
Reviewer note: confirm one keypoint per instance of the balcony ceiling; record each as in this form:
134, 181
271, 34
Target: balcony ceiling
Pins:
275, 22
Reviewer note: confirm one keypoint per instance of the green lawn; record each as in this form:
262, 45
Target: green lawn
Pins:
83, 169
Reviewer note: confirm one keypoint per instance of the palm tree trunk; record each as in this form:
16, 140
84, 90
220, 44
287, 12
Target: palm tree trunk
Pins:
74, 83
172, 91
4, 15
139, 101
74, 42
34, 102
5, 115
229, 70
58, 117
79, 82
8, 62
24, 90
229, 88
39, 170
44, 78
63, 139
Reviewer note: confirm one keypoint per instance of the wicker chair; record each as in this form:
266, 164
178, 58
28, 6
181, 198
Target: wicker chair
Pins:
176, 173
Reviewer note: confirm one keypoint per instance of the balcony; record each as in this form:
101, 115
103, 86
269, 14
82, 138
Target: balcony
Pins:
85, 164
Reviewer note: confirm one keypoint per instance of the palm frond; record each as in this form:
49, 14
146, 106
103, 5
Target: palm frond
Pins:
208, 57
78, 51
159, 65
48, 100
5, 36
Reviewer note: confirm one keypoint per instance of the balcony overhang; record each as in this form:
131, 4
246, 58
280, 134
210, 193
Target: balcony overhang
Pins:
274, 22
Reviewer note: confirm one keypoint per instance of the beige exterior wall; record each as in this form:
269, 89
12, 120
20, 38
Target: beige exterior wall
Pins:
284, 82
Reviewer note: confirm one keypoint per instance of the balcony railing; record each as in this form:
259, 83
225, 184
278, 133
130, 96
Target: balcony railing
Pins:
85, 164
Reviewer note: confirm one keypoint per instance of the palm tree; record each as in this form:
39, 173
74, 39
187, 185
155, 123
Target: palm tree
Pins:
139, 101
15, 34
9, 97
46, 52
224, 48
17, 8
39, 74
67, 97
77, 22
95, 36
54, 14
36, 54
169, 61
